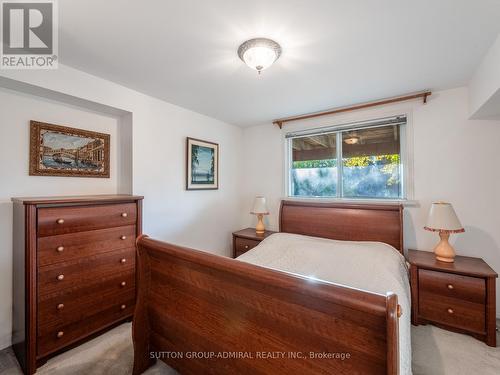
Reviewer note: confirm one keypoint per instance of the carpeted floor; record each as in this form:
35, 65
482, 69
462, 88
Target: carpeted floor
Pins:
108, 354
438, 352
435, 352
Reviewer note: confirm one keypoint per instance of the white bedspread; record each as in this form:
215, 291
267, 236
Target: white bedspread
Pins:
372, 266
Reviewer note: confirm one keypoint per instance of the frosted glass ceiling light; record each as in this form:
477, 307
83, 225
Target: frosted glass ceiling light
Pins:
352, 140
259, 53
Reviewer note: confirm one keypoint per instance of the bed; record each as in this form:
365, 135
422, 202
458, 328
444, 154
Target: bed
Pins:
265, 313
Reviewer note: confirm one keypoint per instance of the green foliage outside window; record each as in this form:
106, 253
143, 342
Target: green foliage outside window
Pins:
357, 161
365, 161
327, 163
388, 163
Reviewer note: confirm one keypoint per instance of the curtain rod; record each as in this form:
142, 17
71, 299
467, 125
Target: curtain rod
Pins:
422, 95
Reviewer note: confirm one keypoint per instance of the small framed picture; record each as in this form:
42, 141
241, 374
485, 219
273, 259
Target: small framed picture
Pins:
67, 152
202, 165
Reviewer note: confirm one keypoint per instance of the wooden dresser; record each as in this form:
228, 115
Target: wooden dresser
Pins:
246, 239
458, 296
74, 271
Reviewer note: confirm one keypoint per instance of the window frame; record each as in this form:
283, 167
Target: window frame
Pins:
406, 164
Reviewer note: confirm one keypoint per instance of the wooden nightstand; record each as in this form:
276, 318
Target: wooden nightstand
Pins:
246, 239
457, 296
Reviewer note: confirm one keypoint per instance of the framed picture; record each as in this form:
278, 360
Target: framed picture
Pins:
62, 151
202, 172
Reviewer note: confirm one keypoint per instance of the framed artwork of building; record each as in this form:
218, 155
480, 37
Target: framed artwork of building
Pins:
62, 151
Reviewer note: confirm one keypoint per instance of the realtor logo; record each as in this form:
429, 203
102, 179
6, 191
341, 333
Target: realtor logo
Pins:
29, 34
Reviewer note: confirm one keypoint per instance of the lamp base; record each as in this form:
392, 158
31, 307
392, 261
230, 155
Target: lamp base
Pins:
260, 228
444, 251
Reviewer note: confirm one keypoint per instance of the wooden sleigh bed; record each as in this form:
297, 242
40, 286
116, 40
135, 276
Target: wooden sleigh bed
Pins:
206, 314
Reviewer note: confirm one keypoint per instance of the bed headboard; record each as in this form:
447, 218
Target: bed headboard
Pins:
344, 221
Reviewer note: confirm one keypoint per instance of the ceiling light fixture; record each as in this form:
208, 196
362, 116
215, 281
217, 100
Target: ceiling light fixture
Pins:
259, 53
352, 140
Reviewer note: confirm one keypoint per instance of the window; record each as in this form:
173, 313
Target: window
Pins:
357, 161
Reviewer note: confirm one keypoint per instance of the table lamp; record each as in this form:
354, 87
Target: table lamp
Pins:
260, 209
443, 219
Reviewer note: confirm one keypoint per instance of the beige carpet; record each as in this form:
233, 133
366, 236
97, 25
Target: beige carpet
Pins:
435, 352
108, 354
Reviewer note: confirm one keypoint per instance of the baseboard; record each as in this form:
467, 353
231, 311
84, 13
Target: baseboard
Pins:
5, 342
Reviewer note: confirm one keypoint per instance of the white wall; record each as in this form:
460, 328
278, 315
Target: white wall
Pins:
199, 219
485, 84
159, 132
16, 111
454, 159
205, 219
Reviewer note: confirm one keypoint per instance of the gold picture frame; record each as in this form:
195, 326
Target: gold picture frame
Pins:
62, 151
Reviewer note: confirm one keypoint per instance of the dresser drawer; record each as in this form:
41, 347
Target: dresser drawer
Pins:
77, 303
79, 309
61, 276
466, 288
71, 246
61, 220
452, 312
58, 337
242, 245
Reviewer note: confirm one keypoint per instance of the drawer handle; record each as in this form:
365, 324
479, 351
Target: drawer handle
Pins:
124, 214
123, 283
123, 237
123, 260
450, 311
60, 334
60, 249
450, 286
60, 306
60, 277
60, 221
123, 307
246, 246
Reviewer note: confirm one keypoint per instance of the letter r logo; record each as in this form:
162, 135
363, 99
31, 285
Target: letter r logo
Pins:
27, 28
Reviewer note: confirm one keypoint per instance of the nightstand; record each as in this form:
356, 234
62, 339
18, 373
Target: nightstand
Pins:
458, 296
246, 239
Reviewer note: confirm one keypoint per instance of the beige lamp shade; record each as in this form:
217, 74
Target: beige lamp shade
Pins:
442, 218
259, 206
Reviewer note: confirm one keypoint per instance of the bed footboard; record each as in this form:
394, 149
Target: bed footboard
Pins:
206, 314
